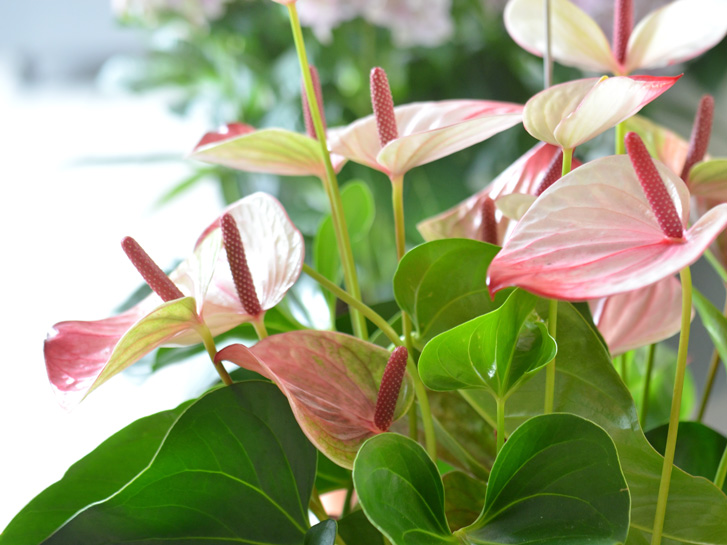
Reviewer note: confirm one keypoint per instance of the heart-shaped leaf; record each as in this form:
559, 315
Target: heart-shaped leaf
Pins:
235, 466
594, 234
698, 451
557, 480
464, 498
441, 285
401, 491
356, 529
588, 385
90, 479
331, 380
496, 351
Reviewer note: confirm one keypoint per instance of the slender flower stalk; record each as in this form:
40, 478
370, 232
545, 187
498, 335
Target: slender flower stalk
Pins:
547, 57
330, 182
676, 405
721, 470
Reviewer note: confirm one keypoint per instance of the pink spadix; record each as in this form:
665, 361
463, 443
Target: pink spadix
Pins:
158, 281
383, 105
623, 24
488, 222
701, 131
389, 389
310, 129
654, 188
552, 173
238, 266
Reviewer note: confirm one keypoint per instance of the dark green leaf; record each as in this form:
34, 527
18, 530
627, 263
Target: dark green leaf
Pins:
495, 352
441, 284
91, 479
464, 498
330, 476
400, 491
587, 385
355, 529
698, 451
323, 533
235, 466
557, 480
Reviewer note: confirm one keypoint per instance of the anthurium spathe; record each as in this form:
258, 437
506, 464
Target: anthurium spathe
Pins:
465, 220
427, 131
272, 151
594, 234
569, 114
80, 356
332, 382
677, 32
640, 317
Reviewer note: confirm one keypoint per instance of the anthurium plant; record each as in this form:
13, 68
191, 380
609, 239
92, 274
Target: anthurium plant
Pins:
516, 391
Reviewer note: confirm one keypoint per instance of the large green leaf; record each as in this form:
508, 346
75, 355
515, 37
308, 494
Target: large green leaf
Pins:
714, 322
698, 451
557, 480
496, 351
234, 467
464, 498
359, 211
401, 491
89, 480
587, 385
441, 284
356, 529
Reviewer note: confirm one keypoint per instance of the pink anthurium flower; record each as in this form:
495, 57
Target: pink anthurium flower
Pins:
420, 133
572, 113
596, 233
80, 356
640, 317
334, 383
466, 220
677, 32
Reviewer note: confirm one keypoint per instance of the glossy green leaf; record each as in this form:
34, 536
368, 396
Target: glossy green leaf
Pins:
234, 467
698, 451
496, 351
323, 533
401, 491
557, 480
464, 498
356, 529
441, 284
359, 211
588, 385
89, 480
714, 322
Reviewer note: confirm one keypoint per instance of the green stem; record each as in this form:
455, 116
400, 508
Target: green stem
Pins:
620, 135
209, 344
721, 470
397, 200
260, 328
711, 375
624, 368
330, 182
547, 57
500, 424
464, 394
419, 388
550, 368
716, 265
413, 423
671, 439
647, 385
567, 160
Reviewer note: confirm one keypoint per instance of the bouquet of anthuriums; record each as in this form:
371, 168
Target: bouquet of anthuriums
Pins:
494, 407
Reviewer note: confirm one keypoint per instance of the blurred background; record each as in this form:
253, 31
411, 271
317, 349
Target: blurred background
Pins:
101, 101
